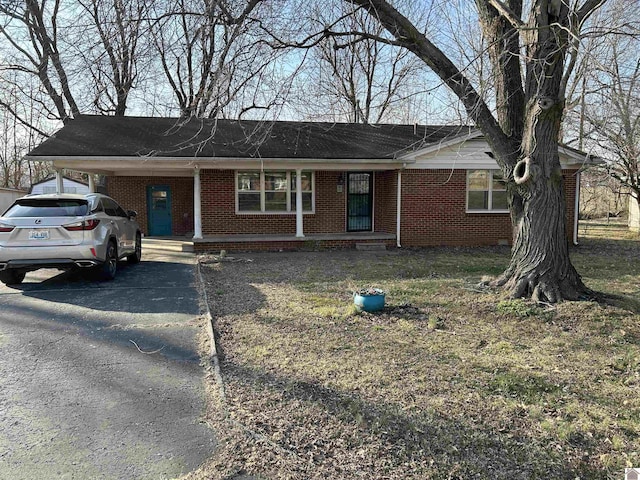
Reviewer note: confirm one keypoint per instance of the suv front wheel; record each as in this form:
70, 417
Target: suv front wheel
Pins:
137, 254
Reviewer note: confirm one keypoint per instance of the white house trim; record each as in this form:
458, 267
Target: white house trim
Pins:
299, 214
471, 152
435, 148
197, 207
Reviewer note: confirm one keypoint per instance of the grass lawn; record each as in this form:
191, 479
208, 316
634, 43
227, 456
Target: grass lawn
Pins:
449, 381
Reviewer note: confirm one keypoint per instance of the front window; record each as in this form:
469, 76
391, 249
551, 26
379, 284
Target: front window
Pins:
486, 191
272, 191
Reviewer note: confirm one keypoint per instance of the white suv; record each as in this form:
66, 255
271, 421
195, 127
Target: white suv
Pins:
66, 231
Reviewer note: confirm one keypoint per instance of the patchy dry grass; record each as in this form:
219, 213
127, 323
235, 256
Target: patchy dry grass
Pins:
449, 381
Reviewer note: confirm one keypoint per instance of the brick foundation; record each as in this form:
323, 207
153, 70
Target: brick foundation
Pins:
278, 246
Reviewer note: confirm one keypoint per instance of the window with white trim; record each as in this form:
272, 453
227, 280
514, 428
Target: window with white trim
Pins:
486, 191
272, 191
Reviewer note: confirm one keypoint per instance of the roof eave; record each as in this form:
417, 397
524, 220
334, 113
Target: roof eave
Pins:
107, 165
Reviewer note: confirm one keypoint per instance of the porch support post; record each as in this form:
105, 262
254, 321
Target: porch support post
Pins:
59, 181
92, 183
299, 216
197, 208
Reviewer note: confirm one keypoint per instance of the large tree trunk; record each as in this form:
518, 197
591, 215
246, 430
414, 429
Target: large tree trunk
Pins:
540, 267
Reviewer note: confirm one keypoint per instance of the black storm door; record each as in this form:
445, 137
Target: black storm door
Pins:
359, 201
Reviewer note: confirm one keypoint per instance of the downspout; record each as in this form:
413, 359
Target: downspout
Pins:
576, 210
398, 208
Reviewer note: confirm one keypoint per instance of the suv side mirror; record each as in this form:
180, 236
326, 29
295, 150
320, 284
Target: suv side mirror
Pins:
132, 214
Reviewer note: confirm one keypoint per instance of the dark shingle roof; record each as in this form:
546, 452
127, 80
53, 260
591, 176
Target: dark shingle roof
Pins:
172, 137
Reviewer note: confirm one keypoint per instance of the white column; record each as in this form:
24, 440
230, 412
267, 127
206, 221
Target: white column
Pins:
299, 216
59, 182
197, 208
92, 183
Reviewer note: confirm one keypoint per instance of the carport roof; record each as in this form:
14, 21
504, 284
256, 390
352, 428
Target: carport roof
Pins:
108, 136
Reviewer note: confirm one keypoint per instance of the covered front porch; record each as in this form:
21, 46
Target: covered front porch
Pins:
337, 206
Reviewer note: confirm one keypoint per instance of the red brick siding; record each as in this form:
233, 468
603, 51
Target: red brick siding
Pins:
219, 208
131, 193
569, 179
434, 211
433, 208
385, 206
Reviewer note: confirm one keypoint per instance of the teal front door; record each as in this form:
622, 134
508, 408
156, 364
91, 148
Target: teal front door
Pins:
159, 205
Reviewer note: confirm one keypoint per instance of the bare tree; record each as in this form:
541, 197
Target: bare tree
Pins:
20, 130
209, 53
614, 114
31, 28
531, 55
363, 80
113, 60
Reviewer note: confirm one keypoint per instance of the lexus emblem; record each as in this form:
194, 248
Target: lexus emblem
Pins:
38, 221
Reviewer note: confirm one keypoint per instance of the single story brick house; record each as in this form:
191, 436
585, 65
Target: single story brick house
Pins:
247, 185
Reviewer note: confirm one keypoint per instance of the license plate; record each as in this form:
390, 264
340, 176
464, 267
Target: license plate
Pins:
38, 235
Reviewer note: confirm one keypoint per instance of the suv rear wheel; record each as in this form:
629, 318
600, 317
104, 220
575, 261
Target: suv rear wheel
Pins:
107, 271
12, 277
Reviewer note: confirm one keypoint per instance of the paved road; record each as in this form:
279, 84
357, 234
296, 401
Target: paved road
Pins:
102, 380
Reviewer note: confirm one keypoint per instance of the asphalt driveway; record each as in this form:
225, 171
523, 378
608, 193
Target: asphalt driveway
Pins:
103, 380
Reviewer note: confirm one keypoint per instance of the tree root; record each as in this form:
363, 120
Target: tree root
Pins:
545, 288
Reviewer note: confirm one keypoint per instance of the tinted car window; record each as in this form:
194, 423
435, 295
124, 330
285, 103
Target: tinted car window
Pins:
110, 207
121, 212
48, 208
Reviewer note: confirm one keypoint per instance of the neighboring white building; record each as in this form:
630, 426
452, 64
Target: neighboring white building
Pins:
69, 185
8, 196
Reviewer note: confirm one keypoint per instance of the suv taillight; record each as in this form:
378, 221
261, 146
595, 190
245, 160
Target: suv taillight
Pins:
6, 228
84, 225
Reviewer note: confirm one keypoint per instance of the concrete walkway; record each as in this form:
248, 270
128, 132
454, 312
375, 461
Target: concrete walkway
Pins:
102, 380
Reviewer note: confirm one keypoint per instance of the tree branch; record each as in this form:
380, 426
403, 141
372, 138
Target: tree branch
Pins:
15, 115
409, 37
507, 13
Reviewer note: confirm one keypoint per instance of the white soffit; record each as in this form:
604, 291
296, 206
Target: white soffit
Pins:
473, 152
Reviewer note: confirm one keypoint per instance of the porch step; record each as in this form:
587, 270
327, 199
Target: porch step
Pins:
368, 247
167, 244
